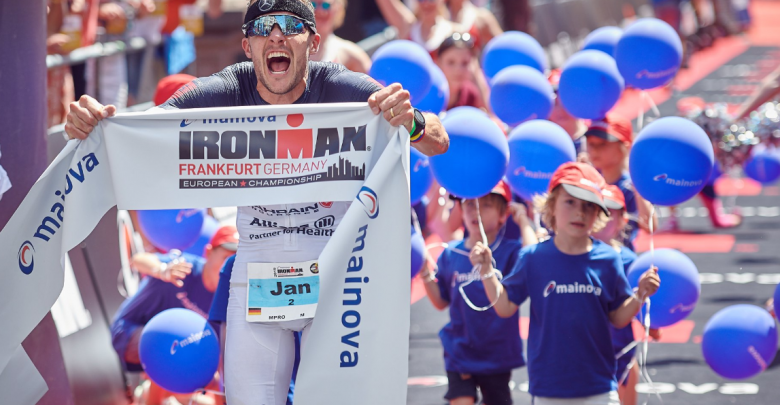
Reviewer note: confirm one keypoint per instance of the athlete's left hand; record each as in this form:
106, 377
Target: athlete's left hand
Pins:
649, 283
482, 255
393, 102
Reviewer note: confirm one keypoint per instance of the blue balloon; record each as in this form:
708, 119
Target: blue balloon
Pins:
465, 109
671, 161
739, 341
477, 157
210, 226
420, 175
776, 296
172, 229
536, 149
512, 48
179, 350
404, 62
520, 93
418, 252
763, 167
680, 285
649, 53
438, 96
604, 39
590, 84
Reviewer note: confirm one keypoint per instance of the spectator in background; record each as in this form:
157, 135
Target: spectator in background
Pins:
479, 22
111, 70
457, 59
187, 282
59, 83
172, 15
145, 25
330, 16
517, 15
168, 85
429, 25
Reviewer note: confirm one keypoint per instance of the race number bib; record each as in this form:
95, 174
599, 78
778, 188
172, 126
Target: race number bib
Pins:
282, 291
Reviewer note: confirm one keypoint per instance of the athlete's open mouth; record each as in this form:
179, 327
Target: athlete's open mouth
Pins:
278, 62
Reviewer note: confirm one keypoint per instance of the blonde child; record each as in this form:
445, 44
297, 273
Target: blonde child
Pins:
577, 288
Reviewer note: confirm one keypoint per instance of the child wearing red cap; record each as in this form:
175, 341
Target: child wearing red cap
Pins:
480, 348
609, 142
577, 288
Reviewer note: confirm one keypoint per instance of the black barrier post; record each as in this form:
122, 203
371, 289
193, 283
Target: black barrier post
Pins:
23, 148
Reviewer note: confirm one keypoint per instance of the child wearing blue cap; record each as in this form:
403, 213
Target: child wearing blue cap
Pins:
480, 348
577, 288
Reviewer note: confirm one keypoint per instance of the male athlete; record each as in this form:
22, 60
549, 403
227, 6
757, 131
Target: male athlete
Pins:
279, 37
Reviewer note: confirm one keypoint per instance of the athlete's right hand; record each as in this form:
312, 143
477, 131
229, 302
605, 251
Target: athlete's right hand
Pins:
84, 116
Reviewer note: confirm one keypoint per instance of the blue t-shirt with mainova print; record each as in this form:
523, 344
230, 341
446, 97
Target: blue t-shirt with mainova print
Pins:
570, 352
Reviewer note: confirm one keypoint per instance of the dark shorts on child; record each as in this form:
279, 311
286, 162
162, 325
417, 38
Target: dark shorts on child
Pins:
494, 387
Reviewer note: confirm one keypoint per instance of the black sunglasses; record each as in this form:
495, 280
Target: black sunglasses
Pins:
263, 25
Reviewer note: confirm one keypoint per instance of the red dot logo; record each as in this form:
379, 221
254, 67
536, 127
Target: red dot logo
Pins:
295, 120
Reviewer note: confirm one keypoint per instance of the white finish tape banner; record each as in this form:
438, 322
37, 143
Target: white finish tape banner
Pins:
241, 156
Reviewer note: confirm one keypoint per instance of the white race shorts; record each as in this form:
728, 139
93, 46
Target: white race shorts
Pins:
259, 357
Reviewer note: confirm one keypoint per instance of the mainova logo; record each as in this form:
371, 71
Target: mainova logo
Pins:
370, 201
531, 174
677, 183
549, 289
575, 288
26, 260
187, 122
192, 338
52, 222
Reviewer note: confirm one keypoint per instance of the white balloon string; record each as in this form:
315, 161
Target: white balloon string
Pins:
643, 358
537, 220
481, 227
475, 271
627, 371
652, 241
640, 118
652, 103
475, 275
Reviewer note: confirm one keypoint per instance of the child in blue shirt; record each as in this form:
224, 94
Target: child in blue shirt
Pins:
577, 288
480, 348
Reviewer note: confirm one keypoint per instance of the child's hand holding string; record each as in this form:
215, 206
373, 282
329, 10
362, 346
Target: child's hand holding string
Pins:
482, 255
648, 283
